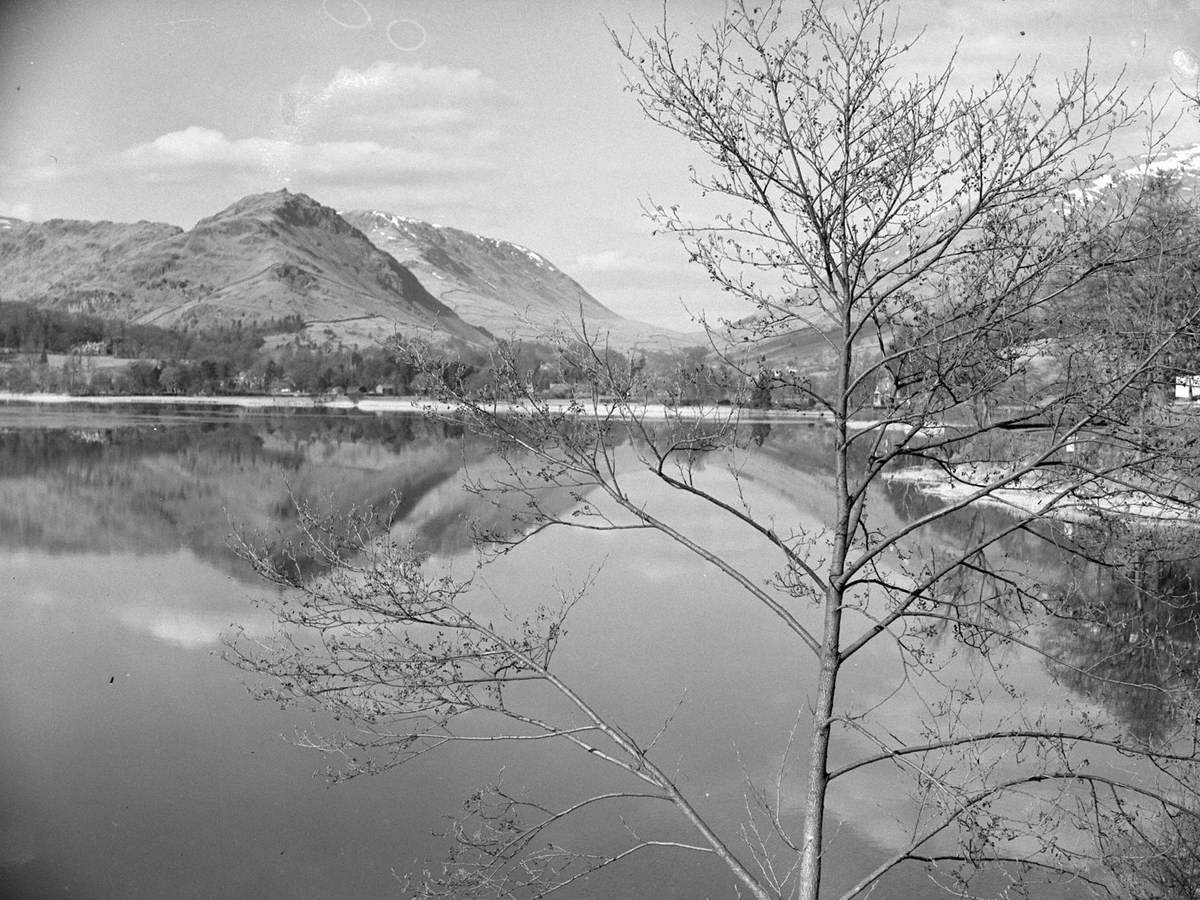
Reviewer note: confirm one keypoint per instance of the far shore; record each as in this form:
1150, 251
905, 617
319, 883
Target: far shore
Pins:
383, 405
1046, 499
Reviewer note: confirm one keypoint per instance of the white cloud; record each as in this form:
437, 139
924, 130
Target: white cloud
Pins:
67, 590
191, 629
604, 261
191, 147
18, 209
414, 87
387, 124
620, 261
388, 100
195, 151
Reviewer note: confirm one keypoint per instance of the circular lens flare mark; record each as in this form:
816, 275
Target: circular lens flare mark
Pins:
362, 9
415, 29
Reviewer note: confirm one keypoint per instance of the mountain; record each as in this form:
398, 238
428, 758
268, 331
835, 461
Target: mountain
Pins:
61, 261
503, 287
265, 257
1182, 162
808, 349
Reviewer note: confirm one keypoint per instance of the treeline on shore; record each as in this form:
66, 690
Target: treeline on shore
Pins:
60, 351
32, 329
57, 351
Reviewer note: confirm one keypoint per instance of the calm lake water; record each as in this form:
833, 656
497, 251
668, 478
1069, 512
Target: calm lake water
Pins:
134, 763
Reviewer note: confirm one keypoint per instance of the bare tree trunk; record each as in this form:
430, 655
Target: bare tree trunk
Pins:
818, 764
830, 659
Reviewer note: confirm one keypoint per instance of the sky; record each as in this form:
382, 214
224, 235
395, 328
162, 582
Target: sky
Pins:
502, 117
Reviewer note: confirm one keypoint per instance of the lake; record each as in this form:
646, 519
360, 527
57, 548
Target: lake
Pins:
135, 764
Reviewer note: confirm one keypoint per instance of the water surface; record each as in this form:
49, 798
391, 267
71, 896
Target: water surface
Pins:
135, 764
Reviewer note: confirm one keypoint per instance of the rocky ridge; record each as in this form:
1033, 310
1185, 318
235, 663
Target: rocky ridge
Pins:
506, 288
355, 278
264, 257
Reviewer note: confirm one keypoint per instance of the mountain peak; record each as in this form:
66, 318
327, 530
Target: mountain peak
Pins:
270, 255
282, 207
264, 257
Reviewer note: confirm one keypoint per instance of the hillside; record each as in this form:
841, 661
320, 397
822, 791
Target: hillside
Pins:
62, 262
265, 257
1181, 163
354, 278
807, 349
504, 287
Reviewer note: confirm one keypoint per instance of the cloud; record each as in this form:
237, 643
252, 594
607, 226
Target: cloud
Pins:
192, 629
387, 124
193, 147
64, 591
622, 262
196, 151
17, 210
35, 173
422, 133
658, 270
605, 261
387, 100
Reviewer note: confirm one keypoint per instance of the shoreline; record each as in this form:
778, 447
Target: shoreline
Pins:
1072, 508
384, 405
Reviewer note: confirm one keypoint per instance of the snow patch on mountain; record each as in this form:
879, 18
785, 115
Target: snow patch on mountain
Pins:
1183, 160
417, 229
507, 288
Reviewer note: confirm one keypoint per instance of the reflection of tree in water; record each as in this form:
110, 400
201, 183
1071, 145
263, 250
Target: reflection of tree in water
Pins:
1159, 860
1123, 631
132, 487
1129, 632
1121, 607
1114, 612
44, 452
1124, 603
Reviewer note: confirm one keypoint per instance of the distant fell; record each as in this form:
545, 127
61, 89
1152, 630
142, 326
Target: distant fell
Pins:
264, 257
504, 287
1181, 163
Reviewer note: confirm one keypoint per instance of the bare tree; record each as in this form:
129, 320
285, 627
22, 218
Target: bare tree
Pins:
937, 241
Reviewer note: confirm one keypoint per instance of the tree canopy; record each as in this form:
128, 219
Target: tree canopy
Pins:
936, 240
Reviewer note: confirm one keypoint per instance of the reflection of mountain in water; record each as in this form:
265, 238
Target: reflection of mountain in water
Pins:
160, 483
158, 487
